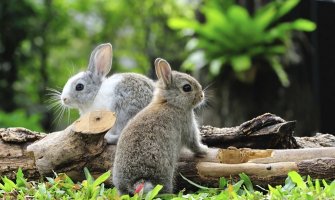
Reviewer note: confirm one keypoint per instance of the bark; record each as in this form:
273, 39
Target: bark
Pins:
13, 153
263, 132
82, 145
74, 148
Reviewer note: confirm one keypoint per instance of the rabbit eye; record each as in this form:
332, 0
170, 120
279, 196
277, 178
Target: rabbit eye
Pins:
187, 88
79, 87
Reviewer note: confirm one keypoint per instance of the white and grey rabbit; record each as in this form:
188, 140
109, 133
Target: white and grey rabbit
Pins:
123, 93
150, 144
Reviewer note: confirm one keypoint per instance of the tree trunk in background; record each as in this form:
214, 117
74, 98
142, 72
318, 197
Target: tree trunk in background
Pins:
326, 57
235, 102
13, 32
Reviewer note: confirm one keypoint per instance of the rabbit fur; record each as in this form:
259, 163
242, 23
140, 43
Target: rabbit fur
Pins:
123, 93
150, 144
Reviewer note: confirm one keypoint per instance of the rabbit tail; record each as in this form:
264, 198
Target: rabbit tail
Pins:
146, 186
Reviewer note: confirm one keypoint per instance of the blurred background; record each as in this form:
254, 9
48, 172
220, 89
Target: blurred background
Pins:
255, 56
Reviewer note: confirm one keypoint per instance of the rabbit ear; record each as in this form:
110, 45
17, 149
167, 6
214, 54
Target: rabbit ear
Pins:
101, 60
163, 70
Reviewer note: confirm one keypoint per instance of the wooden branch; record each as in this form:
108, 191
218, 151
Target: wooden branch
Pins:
82, 145
235, 156
263, 132
262, 170
13, 154
74, 148
263, 174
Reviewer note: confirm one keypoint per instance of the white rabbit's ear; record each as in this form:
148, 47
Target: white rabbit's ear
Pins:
101, 60
163, 70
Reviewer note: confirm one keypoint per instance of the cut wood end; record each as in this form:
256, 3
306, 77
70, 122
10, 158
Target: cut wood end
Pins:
243, 155
95, 122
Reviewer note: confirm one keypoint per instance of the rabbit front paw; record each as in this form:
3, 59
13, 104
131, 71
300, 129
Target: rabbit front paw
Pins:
201, 151
111, 139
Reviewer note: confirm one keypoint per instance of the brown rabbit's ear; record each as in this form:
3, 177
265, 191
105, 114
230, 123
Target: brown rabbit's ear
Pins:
101, 60
163, 70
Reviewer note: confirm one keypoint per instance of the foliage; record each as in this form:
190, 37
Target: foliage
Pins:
19, 118
45, 42
297, 188
62, 187
231, 36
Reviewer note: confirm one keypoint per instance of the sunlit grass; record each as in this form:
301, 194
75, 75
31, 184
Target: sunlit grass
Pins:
62, 187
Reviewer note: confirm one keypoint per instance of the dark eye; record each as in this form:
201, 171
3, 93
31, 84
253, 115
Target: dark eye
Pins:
187, 88
79, 87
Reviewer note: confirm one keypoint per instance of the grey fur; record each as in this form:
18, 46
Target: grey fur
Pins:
124, 93
149, 146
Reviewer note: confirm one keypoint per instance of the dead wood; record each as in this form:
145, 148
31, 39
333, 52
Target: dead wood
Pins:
267, 131
74, 148
82, 145
13, 154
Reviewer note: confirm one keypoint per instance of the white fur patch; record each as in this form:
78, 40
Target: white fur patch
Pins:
104, 98
67, 88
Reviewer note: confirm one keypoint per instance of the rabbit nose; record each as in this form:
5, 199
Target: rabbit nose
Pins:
64, 99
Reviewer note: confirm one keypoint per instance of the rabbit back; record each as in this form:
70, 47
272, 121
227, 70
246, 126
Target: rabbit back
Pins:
150, 144
125, 94
157, 136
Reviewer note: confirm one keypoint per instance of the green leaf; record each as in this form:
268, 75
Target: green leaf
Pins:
2, 187
247, 182
304, 25
264, 16
193, 183
153, 193
216, 65
331, 189
237, 186
238, 14
296, 178
88, 176
181, 23
195, 60
317, 186
310, 183
286, 6
102, 178
241, 63
274, 192
279, 69
289, 184
222, 182
20, 180
276, 49
9, 184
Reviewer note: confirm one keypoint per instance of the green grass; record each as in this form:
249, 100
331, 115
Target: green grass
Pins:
62, 187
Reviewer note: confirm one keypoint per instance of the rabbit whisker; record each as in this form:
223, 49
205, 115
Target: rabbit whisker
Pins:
209, 85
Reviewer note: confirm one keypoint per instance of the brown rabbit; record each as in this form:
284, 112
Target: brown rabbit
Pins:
150, 144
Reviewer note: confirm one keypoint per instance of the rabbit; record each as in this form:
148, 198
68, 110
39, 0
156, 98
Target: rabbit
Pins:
123, 93
150, 144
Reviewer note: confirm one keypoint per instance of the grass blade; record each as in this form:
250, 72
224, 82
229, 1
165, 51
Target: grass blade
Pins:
193, 183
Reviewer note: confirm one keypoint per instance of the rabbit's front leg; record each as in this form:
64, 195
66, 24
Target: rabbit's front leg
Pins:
194, 142
111, 136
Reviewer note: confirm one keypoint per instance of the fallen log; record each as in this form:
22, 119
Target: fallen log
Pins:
266, 131
82, 145
14, 154
262, 166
